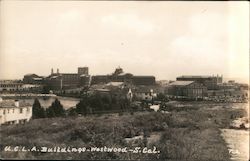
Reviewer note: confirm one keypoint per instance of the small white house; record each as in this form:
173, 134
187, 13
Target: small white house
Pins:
14, 112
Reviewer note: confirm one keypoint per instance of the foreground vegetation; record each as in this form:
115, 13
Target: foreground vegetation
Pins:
188, 132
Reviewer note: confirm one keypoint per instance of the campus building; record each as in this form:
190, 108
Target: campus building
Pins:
189, 89
211, 82
14, 112
10, 85
120, 76
61, 81
32, 79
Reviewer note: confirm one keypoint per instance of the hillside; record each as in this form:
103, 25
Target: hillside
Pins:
187, 132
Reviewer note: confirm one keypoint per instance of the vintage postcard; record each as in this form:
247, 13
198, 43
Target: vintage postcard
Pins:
124, 80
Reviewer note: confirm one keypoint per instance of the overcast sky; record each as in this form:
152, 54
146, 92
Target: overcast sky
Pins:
165, 39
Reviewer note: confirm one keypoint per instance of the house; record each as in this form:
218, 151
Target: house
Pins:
190, 89
113, 89
14, 112
144, 93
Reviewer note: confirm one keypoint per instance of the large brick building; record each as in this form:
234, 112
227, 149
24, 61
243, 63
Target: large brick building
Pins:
64, 81
211, 82
120, 76
60, 81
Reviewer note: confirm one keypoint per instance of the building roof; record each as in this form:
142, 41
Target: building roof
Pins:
37, 78
123, 74
102, 90
11, 104
143, 90
143, 76
68, 74
30, 74
54, 77
115, 83
84, 75
180, 83
196, 76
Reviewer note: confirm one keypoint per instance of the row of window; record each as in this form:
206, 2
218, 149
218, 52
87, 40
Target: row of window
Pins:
21, 110
10, 85
22, 121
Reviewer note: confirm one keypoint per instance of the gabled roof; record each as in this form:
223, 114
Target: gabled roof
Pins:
115, 83
181, 83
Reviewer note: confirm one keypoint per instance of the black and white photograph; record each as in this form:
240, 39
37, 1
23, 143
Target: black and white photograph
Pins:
124, 80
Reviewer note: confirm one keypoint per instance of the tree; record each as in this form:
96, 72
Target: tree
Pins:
83, 106
56, 109
161, 97
96, 102
37, 111
72, 112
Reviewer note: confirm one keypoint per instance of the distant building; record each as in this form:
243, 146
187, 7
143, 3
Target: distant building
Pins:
32, 79
14, 112
210, 82
190, 89
144, 93
83, 70
64, 81
120, 76
10, 85
61, 81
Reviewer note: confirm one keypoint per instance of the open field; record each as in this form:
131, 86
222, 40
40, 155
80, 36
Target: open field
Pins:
191, 131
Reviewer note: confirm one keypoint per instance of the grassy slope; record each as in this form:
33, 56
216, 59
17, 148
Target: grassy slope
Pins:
192, 133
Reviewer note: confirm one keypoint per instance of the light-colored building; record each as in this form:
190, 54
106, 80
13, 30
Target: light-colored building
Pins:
144, 93
10, 85
14, 112
189, 89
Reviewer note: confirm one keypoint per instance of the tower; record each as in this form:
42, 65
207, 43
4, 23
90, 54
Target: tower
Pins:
83, 70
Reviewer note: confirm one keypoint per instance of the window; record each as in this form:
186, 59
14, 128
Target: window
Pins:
21, 110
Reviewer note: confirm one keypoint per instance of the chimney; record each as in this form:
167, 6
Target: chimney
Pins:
57, 71
52, 72
16, 103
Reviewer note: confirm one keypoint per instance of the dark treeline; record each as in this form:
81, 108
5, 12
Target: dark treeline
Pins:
55, 110
89, 104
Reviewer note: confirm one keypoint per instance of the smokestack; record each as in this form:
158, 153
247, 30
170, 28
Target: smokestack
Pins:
52, 72
16, 103
57, 71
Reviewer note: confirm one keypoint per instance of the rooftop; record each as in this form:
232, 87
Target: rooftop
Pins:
196, 76
115, 83
181, 83
11, 104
